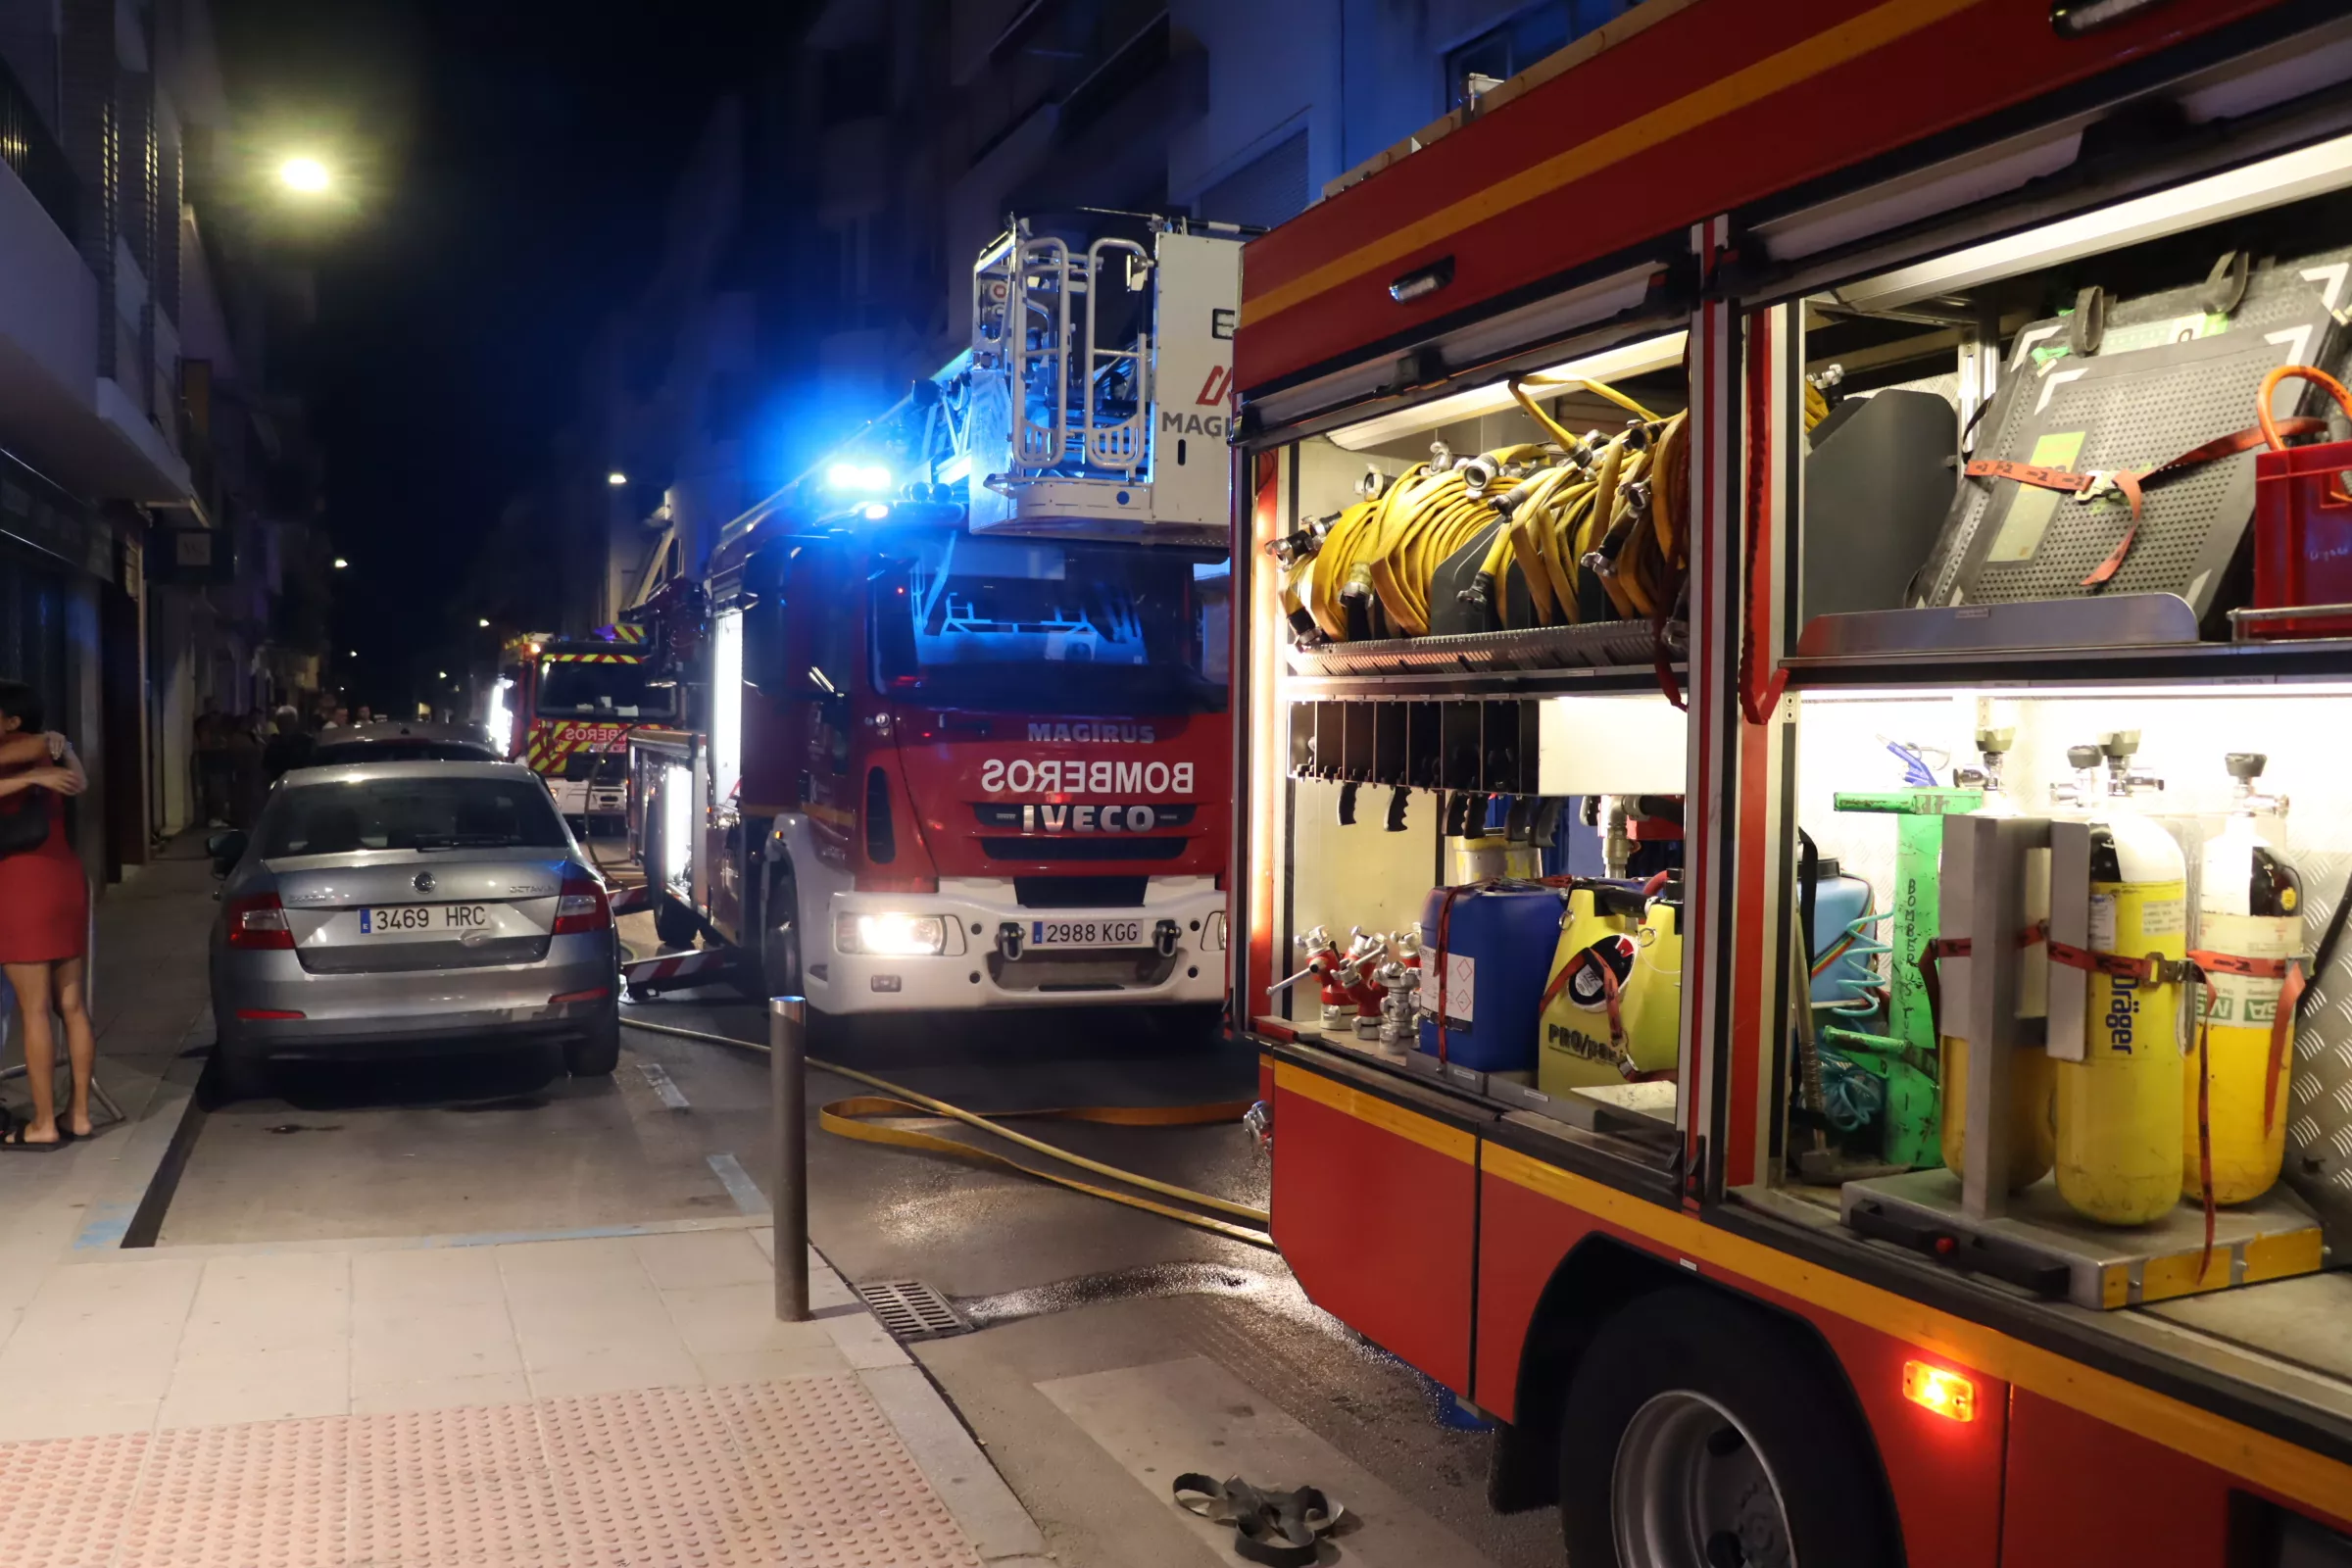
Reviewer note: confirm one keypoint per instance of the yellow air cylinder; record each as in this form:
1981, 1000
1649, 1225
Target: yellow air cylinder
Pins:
2118, 1109
2250, 905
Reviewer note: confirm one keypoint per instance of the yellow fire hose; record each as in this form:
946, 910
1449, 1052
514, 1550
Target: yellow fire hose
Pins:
850, 1119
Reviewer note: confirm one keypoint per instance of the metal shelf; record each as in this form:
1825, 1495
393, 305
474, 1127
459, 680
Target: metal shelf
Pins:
2227, 663
1440, 685
2095, 640
1601, 645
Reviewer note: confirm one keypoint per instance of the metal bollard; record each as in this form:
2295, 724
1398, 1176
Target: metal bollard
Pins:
788, 1100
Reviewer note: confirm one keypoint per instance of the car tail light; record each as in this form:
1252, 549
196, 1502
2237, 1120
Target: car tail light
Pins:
582, 907
255, 1014
257, 923
592, 994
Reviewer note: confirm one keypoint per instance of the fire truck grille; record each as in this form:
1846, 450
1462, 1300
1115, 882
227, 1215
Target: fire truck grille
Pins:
1047, 848
1080, 892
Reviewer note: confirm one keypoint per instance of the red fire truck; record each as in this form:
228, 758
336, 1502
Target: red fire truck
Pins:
1947, 330
571, 705
956, 730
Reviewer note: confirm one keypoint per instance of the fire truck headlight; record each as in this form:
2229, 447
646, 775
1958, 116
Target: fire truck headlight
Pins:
891, 934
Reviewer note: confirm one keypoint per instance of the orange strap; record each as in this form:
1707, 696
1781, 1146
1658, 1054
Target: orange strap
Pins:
1942, 947
2202, 964
1609, 992
2132, 481
2155, 969
2288, 971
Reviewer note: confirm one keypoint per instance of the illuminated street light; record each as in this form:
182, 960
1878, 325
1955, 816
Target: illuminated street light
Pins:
341, 563
307, 177
440, 674
617, 478
484, 624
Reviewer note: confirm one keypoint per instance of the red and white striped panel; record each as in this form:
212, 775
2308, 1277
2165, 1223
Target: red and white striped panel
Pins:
677, 968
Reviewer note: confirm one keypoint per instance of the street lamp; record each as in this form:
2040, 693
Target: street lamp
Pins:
484, 623
617, 478
306, 176
341, 563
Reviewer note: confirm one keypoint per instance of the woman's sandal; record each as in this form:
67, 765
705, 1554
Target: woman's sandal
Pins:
12, 1135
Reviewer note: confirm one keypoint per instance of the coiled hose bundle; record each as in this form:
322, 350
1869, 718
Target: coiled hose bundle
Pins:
1574, 530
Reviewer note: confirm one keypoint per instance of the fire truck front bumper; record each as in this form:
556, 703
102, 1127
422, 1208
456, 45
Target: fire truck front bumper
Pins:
976, 946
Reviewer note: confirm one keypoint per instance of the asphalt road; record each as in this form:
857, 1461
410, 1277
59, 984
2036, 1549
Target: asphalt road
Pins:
1075, 1299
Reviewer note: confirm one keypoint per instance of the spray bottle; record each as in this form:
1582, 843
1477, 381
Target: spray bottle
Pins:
2033, 1134
2118, 1109
2249, 906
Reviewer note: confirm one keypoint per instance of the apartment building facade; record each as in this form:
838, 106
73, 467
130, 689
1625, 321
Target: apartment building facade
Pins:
817, 247
155, 487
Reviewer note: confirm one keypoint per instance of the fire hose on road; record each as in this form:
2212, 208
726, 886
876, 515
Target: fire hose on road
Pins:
856, 1118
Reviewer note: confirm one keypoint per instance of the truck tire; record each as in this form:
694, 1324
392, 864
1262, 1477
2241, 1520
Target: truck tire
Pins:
596, 1054
674, 923
1698, 1433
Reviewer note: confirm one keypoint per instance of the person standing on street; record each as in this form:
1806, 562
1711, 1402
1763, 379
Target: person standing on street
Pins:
289, 745
44, 916
248, 784
212, 766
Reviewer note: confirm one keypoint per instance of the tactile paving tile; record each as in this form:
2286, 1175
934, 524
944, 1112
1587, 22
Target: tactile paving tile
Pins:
805, 1472
263, 1495
62, 1503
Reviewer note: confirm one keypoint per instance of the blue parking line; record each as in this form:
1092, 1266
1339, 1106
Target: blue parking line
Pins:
105, 1225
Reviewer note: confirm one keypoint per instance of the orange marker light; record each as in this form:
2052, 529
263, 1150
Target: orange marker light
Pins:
1947, 1394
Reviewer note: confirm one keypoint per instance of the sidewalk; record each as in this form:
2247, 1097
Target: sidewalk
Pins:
398, 1403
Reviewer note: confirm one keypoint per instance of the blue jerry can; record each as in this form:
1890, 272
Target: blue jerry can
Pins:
1494, 950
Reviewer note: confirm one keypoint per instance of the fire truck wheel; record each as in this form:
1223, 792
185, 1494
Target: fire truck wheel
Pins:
597, 1053
1697, 1433
674, 923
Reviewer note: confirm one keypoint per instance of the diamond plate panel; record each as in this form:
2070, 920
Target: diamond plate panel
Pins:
2318, 1128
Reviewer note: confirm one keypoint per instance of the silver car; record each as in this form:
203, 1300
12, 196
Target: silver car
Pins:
407, 908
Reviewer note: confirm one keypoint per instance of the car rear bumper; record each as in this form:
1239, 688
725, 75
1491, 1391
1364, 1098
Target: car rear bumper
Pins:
975, 973
265, 1002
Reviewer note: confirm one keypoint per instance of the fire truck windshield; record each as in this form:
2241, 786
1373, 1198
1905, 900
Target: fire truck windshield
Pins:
1030, 624
576, 688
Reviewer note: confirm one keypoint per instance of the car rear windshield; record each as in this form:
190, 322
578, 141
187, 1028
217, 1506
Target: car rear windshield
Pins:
409, 813
409, 751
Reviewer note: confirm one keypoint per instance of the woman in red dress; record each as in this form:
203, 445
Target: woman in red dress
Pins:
44, 921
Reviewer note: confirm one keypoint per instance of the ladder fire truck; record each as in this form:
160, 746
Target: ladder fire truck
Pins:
953, 730
1967, 345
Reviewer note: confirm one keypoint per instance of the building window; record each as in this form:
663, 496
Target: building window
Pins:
1269, 189
1504, 50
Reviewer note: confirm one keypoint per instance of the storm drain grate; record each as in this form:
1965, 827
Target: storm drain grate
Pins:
912, 1309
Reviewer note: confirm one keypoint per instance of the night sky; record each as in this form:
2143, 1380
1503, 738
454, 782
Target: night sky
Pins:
506, 164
